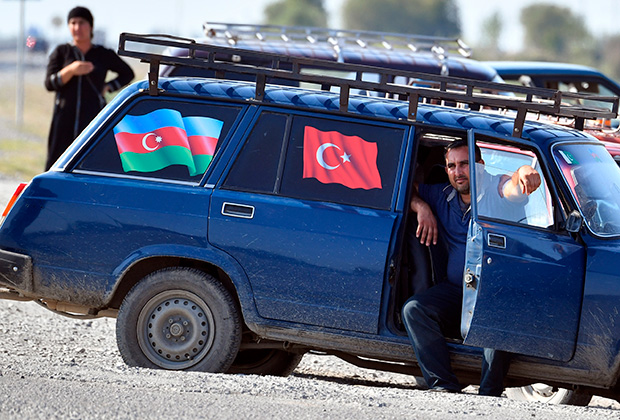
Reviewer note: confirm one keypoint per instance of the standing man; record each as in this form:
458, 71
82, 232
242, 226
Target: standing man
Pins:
430, 315
77, 73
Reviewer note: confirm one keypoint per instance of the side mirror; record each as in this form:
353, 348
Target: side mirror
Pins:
574, 222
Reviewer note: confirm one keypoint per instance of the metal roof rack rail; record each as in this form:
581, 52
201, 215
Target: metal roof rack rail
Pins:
440, 46
422, 86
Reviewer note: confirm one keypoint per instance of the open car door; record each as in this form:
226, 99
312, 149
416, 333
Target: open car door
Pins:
523, 277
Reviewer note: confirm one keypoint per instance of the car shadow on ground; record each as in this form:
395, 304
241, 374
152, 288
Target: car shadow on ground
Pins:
356, 380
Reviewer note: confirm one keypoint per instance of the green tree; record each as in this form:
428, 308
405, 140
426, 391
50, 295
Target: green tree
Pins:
491, 31
296, 12
422, 17
609, 56
554, 32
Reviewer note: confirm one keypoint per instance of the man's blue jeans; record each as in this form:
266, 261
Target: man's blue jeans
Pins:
428, 317
495, 364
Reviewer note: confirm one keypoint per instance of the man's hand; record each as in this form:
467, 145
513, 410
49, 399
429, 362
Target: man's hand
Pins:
427, 223
76, 68
80, 68
524, 181
528, 179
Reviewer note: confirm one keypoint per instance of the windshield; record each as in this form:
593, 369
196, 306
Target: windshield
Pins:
594, 179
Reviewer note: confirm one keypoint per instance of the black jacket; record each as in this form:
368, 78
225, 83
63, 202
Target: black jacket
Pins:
80, 100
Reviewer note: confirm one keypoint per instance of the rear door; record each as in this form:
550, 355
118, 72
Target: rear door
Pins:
524, 278
307, 208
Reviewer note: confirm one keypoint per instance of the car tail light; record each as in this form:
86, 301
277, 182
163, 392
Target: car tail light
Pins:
18, 191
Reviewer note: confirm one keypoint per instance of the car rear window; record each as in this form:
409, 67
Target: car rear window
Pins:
161, 139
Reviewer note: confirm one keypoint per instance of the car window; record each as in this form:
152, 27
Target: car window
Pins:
581, 86
321, 159
161, 139
342, 162
256, 167
594, 180
501, 162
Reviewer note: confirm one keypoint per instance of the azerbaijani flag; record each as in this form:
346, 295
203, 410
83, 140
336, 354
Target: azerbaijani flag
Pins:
150, 142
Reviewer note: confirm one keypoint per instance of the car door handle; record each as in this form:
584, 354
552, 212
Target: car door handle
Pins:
496, 241
238, 210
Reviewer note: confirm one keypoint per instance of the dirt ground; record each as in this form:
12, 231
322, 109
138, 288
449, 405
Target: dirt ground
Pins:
53, 367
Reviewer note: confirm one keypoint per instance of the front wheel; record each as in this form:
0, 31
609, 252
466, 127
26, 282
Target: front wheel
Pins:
548, 394
179, 318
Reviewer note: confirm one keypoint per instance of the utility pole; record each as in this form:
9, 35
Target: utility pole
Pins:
21, 41
21, 45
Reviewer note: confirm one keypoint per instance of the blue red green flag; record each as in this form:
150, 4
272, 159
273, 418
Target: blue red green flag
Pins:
150, 142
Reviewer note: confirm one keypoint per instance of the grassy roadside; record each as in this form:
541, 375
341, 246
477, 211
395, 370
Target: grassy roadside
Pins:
23, 149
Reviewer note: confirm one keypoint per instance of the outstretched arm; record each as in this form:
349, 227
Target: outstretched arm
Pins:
523, 182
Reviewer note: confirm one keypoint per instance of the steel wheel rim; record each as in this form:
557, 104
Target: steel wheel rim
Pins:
175, 329
541, 392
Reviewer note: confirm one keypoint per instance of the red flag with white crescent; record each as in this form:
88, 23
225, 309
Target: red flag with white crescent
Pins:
331, 157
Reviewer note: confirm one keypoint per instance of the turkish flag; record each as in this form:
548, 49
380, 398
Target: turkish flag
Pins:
331, 157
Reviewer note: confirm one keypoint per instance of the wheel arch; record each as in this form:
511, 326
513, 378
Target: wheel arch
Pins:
219, 265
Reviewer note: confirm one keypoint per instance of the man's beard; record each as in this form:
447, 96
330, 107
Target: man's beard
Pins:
461, 188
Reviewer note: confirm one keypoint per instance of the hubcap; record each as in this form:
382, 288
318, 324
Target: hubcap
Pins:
543, 390
175, 329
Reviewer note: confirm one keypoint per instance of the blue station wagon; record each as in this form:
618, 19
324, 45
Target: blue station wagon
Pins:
232, 226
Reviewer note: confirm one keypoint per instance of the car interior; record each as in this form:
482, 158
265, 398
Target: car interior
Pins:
422, 266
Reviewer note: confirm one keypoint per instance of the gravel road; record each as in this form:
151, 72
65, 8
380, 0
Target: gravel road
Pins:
57, 367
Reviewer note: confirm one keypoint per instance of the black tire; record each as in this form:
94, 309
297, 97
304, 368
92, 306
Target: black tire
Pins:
547, 394
265, 362
179, 318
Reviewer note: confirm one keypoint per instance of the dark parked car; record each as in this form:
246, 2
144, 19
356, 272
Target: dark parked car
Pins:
232, 226
560, 76
414, 53
567, 77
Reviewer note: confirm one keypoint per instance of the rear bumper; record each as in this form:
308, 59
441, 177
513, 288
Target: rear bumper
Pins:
16, 271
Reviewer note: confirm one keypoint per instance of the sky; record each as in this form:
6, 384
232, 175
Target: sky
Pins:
185, 17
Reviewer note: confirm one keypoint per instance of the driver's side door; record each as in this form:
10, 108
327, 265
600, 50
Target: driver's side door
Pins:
523, 277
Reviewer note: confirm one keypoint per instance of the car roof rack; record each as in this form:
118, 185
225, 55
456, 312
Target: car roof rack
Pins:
426, 87
337, 38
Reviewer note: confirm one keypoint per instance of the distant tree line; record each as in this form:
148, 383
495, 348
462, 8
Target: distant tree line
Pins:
551, 32
296, 12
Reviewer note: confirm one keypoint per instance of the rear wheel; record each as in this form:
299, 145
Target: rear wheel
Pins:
266, 362
548, 394
179, 318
